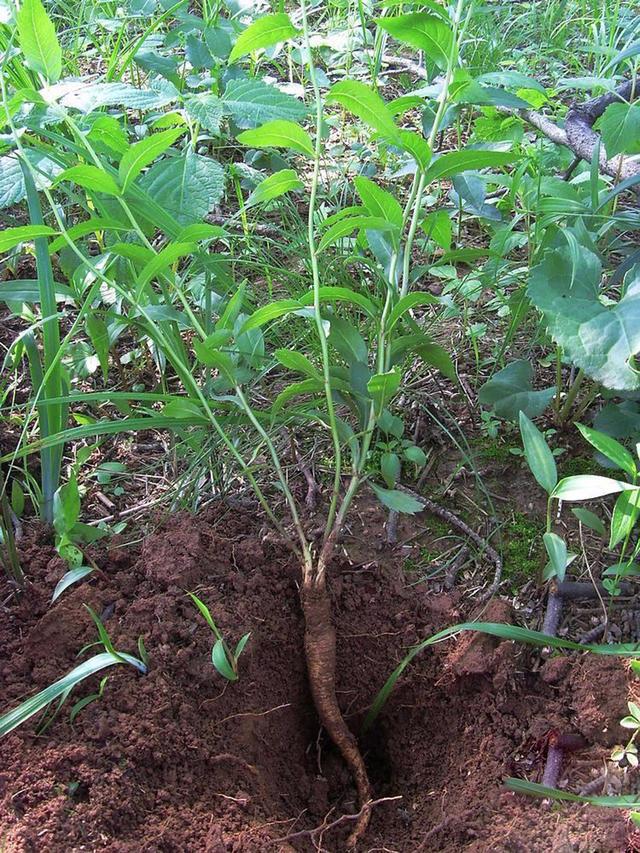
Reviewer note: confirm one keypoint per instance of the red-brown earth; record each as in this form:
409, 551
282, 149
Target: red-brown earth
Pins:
180, 760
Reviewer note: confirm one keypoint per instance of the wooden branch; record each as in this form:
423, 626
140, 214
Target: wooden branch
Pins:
578, 134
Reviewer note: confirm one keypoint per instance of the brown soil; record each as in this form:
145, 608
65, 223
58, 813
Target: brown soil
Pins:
178, 760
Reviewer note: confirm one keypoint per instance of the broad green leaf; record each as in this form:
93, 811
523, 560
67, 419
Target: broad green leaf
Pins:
91, 178
406, 303
207, 109
346, 226
556, 549
164, 259
590, 519
437, 226
620, 128
390, 468
265, 32
417, 146
586, 487
379, 202
341, 294
220, 661
624, 517
66, 506
602, 339
382, 387
609, 447
397, 501
211, 357
366, 104
200, 231
107, 133
37, 703
297, 362
274, 186
91, 96
462, 161
12, 187
347, 340
296, 389
279, 134
416, 455
38, 41
269, 312
252, 103
143, 153
423, 31
510, 391
11, 237
511, 80
28, 290
187, 186
539, 457
70, 578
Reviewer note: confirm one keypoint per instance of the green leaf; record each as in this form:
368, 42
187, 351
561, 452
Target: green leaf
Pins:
397, 501
539, 457
602, 339
37, 703
164, 259
242, 642
38, 41
406, 303
342, 294
346, 226
99, 335
207, 109
187, 186
212, 357
417, 146
378, 202
92, 96
143, 153
220, 660
610, 448
390, 468
66, 506
70, 578
589, 519
382, 387
296, 389
347, 340
280, 133
462, 161
437, 226
274, 186
297, 362
11, 237
586, 487
493, 629
265, 32
91, 178
510, 391
252, 103
556, 549
620, 128
624, 517
416, 455
205, 613
534, 789
17, 498
267, 313
366, 104
423, 31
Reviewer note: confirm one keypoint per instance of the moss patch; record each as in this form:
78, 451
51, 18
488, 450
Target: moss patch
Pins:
522, 548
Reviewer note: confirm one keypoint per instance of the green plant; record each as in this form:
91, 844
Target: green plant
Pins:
61, 689
224, 660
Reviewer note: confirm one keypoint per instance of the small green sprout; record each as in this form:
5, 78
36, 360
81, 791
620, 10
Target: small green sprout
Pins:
628, 755
223, 659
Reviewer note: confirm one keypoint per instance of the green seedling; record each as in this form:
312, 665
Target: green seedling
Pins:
224, 660
60, 690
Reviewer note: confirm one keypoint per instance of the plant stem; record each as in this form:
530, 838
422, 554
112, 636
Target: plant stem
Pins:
324, 347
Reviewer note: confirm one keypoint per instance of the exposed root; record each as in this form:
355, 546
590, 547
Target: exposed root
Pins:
320, 651
325, 826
